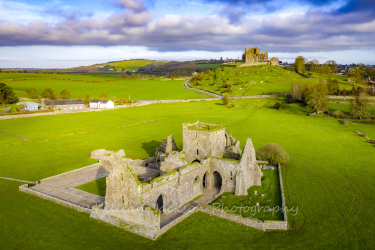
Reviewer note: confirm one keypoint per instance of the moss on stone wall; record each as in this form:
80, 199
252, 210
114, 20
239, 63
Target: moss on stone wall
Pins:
153, 210
160, 178
224, 159
205, 127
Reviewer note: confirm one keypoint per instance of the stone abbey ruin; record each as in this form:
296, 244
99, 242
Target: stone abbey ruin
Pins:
150, 196
253, 56
211, 159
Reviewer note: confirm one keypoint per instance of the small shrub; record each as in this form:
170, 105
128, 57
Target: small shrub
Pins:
225, 100
278, 105
273, 153
338, 114
344, 122
232, 105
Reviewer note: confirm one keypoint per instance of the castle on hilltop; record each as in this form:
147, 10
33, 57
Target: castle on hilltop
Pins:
211, 162
253, 56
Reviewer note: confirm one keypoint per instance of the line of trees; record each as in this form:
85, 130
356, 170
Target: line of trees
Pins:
64, 94
357, 73
7, 95
303, 66
48, 94
315, 96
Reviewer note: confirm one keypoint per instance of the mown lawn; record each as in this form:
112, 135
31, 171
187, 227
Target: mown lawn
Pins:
95, 187
329, 177
79, 86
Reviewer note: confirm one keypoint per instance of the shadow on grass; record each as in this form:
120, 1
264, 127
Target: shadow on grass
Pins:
101, 181
150, 147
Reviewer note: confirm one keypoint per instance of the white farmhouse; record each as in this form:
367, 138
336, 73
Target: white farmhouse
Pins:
102, 104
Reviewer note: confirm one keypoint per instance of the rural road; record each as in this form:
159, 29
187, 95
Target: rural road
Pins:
186, 84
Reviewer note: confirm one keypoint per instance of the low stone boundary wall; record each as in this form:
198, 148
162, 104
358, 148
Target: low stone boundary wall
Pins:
282, 193
73, 172
255, 223
188, 100
25, 188
275, 225
175, 222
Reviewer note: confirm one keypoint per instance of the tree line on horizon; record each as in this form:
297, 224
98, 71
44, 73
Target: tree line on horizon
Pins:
308, 68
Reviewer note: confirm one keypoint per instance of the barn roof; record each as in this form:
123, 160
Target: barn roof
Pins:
63, 102
27, 103
97, 101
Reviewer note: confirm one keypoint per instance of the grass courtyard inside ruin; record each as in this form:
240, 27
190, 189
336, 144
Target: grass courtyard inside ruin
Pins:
329, 177
268, 196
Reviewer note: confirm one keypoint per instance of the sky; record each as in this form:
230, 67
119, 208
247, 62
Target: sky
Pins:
63, 34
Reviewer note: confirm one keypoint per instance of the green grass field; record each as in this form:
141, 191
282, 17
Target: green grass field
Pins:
35, 76
211, 66
133, 65
329, 177
80, 85
339, 78
95, 187
253, 80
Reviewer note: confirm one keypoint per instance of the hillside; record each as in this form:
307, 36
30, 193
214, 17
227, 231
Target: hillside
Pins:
170, 68
254, 80
126, 65
133, 65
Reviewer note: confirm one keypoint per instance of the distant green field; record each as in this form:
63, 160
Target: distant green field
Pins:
253, 80
133, 65
235, 63
339, 78
346, 108
211, 66
19, 76
329, 178
79, 85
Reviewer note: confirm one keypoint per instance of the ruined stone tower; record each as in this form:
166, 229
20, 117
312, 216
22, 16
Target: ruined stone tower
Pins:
203, 139
253, 55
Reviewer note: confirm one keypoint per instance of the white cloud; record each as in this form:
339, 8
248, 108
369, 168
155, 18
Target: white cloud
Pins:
11, 59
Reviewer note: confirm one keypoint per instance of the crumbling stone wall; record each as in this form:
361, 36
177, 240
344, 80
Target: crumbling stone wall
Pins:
274, 61
233, 151
174, 161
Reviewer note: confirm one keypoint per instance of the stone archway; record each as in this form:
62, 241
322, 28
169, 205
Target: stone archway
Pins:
218, 181
160, 204
205, 180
